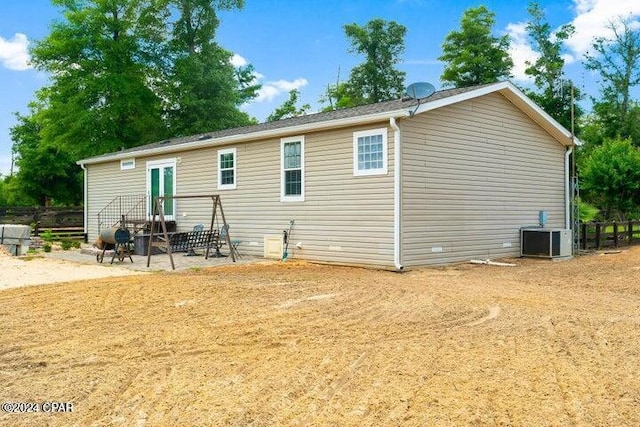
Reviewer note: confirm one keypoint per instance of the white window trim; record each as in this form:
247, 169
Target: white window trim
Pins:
157, 163
283, 197
385, 156
127, 164
235, 169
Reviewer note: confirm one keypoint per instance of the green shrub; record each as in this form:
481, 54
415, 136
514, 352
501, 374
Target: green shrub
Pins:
66, 244
47, 236
47, 247
75, 244
587, 211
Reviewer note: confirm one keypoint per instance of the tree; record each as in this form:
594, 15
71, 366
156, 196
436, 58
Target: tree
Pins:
3, 191
556, 94
617, 61
610, 178
377, 78
337, 96
472, 55
204, 90
120, 78
548, 67
288, 109
101, 59
46, 173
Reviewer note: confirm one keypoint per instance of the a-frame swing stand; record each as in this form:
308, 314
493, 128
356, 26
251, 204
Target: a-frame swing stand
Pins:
204, 238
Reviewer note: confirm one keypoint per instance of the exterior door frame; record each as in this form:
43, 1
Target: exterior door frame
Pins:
161, 165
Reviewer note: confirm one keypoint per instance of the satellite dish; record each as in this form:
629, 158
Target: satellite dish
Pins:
420, 90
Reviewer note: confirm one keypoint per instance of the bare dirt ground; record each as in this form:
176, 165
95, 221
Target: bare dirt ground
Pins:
544, 343
37, 270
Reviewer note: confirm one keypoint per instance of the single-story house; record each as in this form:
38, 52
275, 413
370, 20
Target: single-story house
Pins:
395, 184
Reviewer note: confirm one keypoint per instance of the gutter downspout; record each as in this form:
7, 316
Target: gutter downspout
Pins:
567, 189
85, 198
397, 194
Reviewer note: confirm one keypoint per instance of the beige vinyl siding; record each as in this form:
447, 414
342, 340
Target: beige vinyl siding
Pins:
105, 182
343, 219
473, 174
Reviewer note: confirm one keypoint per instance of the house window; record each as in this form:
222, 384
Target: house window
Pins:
127, 164
292, 169
161, 181
370, 152
227, 169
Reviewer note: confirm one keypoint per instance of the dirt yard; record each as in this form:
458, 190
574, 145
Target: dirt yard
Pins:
544, 343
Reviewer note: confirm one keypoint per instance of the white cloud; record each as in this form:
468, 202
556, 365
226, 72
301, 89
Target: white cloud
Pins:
593, 17
238, 61
520, 51
14, 54
270, 90
591, 20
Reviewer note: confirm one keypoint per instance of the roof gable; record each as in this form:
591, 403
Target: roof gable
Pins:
347, 117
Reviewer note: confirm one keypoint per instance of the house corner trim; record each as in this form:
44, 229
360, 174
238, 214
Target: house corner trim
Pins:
397, 195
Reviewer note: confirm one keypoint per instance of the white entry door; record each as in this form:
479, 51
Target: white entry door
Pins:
161, 181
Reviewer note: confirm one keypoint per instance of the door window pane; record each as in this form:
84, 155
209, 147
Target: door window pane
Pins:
155, 189
168, 190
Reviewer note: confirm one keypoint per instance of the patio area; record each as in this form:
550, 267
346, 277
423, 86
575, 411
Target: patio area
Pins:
160, 262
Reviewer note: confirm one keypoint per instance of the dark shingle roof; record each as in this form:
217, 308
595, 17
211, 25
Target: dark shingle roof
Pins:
310, 119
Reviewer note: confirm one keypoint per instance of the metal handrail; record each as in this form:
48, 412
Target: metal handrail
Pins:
123, 210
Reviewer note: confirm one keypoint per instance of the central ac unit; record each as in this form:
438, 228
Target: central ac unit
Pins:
546, 242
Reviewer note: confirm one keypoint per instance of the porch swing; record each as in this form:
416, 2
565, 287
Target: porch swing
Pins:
196, 239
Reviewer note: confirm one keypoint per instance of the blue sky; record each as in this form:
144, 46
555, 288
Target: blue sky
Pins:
301, 43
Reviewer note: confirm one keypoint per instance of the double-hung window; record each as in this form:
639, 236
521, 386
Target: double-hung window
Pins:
227, 169
292, 169
370, 152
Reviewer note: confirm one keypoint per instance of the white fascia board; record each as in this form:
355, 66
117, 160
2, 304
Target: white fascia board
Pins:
247, 137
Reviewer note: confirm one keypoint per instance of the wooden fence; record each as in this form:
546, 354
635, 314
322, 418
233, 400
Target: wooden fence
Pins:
599, 235
62, 221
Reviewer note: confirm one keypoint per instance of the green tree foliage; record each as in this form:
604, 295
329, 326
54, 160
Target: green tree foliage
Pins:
124, 73
617, 61
548, 68
610, 177
473, 55
45, 172
555, 94
100, 59
587, 211
204, 90
382, 43
288, 109
377, 78
3, 191
338, 96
